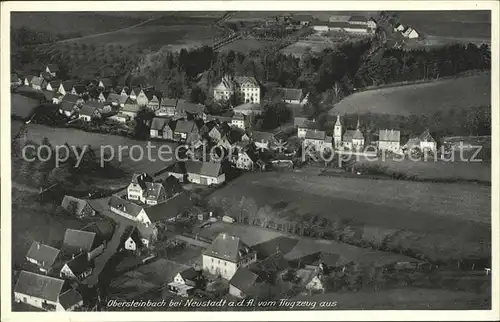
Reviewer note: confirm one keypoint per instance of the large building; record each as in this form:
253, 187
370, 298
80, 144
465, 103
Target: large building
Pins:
423, 142
245, 88
350, 139
226, 255
389, 140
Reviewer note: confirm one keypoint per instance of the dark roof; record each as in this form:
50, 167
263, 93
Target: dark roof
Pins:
67, 106
55, 84
116, 98
358, 135
389, 135
39, 286
14, 77
308, 124
79, 264
170, 208
315, 135
190, 274
79, 89
78, 240
302, 17
192, 108
70, 98
358, 19
37, 80
282, 244
185, 126
90, 107
70, 298
80, 203
262, 136
348, 135
169, 102
150, 94
68, 85
209, 169
270, 267
107, 82
159, 123
46, 76
227, 247
53, 67
244, 279
103, 229
141, 179
126, 206
29, 78
43, 254
289, 93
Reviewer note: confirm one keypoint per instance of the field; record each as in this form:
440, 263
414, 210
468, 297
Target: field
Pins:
245, 45
459, 213
253, 236
22, 106
82, 23
98, 142
466, 171
423, 98
449, 24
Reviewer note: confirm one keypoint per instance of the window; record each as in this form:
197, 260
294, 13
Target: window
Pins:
225, 263
218, 262
212, 260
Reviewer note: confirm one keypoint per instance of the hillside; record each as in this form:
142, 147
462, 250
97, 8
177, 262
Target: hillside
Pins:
419, 99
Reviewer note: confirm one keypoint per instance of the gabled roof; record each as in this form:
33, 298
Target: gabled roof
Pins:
209, 169
227, 247
29, 78
130, 106
39, 286
192, 108
43, 254
53, 67
262, 136
169, 102
289, 93
302, 17
78, 240
358, 19
79, 89
426, 136
70, 98
389, 135
79, 264
116, 98
106, 82
68, 85
150, 95
14, 77
90, 107
158, 123
308, 124
238, 117
244, 279
37, 80
190, 274
55, 84
80, 203
67, 106
170, 208
70, 298
246, 80
126, 206
315, 135
185, 126
46, 76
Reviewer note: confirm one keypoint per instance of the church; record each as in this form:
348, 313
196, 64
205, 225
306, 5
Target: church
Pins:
352, 140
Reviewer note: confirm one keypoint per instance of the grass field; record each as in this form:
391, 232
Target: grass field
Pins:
455, 24
60, 136
423, 98
22, 106
467, 171
439, 219
245, 45
84, 23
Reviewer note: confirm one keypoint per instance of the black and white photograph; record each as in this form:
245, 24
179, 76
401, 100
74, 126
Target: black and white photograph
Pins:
250, 160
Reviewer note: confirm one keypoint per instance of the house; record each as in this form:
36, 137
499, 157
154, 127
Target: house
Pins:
27, 80
128, 209
302, 20
73, 99
167, 107
15, 80
389, 140
170, 209
46, 76
120, 118
78, 241
46, 293
190, 110
78, 207
358, 20
125, 91
190, 276
68, 109
78, 268
239, 120
153, 101
186, 131
116, 100
372, 24
226, 255
66, 87
350, 140
245, 88
140, 97
399, 27
79, 90
211, 130
137, 187
157, 126
313, 281
142, 188
316, 139
352, 28
423, 142
336, 18
105, 83
263, 140
248, 109
52, 69
410, 33
89, 111
304, 127
205, 173
320, 26
38, 83
289, 95
135, 242
53, 85
246, 160
57, 98
98, 96
130, 108
242, 282
43, 256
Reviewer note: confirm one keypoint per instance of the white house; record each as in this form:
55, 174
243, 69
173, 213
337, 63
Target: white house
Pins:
410, 33
389, 140
226, 255
42, 256
78, 268
46, 293
128, 210
205, 173
424, 142
244, 87
239, 121
305, 127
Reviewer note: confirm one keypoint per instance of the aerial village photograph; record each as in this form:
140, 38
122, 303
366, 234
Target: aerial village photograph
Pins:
251, 160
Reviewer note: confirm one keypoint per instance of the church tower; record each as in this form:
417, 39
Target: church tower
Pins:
337, 133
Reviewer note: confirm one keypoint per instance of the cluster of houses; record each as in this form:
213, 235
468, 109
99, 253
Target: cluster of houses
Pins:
389, 140
49, 278
406, 31
349, 24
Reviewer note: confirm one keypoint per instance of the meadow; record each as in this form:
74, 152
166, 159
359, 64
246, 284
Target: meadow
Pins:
128, 162
423, 215
421, 98
22, 107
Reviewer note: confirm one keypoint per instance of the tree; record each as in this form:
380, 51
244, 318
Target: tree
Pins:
142, 122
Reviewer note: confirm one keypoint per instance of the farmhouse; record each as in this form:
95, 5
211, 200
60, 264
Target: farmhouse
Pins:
38, 83
128, 210
389, 140
15, 80
302, 20
317, 139
136, 92
190, 276
170, 209
78, 241
143, 189
116, 100
135, 243
205, 173
67, 109
95, 95
263, 140
105, 83
157, 127
242, 282
52, 69
398, 27
226, 255
211, 130
167, 107
42, 256
350, 140
246, 160
130, 108
120, 118
289, 95
89, 111
304, 127
78, 268
66, 87
248, 109
185, 109
424, 142
410, 33
46, 76
78, 207
53, 86
186, 131
245, 88
46, 293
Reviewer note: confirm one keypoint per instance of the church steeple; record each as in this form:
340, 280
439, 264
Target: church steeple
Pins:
338, 120
357, 126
